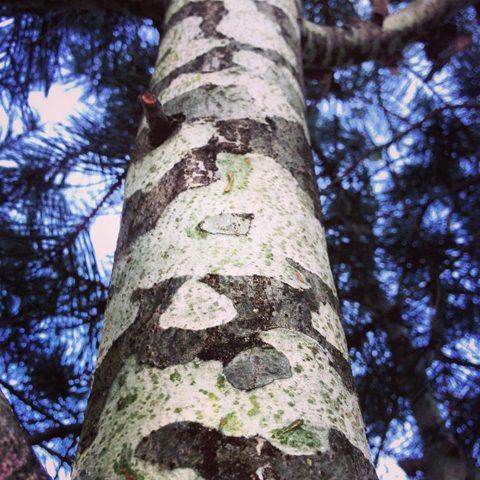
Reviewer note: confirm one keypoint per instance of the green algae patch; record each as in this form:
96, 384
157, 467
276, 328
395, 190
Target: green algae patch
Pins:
123, 466
175, 377
297, 435
230, 423
266, 251
122, 379
221, 381
277, 416
196, 233
210, 395
255, 410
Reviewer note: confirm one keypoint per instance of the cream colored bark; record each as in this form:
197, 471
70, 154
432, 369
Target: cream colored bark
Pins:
223, 354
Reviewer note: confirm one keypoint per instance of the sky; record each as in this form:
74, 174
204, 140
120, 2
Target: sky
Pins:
62, 102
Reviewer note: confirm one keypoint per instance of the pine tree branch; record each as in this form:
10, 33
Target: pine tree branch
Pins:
394, 139
327, 47
459, 361
59, 431
24, 399
154, 9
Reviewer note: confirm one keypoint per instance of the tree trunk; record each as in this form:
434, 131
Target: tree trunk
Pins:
17, 459
443, 457
222, 354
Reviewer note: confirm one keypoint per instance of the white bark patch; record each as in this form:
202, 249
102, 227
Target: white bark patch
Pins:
189, 44
146, 173
246, 24
255, 96
260, 66
259, 473
197, 306
227, 224
143, 399
328, 324
284, 226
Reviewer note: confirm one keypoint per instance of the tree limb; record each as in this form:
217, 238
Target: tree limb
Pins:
326, 47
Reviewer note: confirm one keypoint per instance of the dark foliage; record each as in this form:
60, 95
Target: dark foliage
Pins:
53, 184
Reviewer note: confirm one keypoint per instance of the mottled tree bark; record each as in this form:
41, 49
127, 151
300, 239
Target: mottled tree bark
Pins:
17, 459
223, 354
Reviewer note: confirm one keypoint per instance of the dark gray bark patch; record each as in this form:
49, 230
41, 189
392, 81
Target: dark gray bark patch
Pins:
142, 142
173, 346
216, 456
211, 12
227, 224
217, 59
256, 368
277, 138
196, 169
261, 304
279, 17
282, 140
209, 100
323, 292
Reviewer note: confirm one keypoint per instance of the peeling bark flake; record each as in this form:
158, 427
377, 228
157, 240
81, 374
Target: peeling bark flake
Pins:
256, 368
228, 224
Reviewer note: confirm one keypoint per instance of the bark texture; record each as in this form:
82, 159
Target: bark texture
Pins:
17, 459
223, 354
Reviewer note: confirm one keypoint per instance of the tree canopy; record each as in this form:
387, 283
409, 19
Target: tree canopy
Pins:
396, 143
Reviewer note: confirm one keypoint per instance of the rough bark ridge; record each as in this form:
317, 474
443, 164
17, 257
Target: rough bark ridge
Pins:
222, 354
